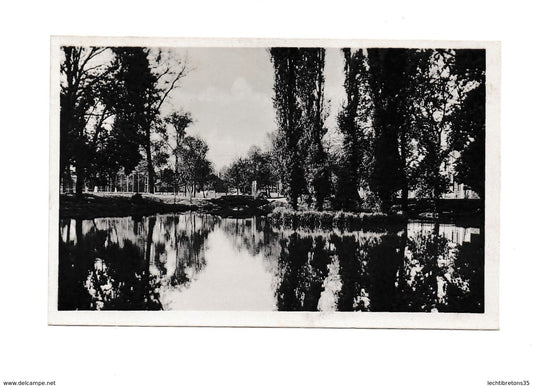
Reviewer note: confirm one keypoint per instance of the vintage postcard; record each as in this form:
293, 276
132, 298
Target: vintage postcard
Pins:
274, 182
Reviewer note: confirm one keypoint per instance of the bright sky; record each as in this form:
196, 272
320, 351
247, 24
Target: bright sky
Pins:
229, 94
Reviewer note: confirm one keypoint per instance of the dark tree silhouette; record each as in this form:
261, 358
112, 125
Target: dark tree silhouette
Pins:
141, 87
82, 112
467, 292
469, 132
289, 116
97, 274
135, 85
299, 103
351, 254
261, 168
302, 269
238, 175
384, 261
389, 70
435, 102
194, 167
310, 94
352, 119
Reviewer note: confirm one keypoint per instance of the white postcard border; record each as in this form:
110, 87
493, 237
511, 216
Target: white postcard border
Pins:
489, 320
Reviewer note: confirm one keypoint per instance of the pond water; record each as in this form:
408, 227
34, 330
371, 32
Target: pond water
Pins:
203, 262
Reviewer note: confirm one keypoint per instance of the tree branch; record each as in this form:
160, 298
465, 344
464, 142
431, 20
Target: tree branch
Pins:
180, 75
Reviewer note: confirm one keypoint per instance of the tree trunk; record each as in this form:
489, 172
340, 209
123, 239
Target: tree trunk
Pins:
403, 158
79, 232
294, 202
68, 231
80, 181
149, 164
436, 197
149, 239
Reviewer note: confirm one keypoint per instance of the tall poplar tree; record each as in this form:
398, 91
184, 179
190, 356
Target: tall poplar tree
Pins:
391, 75
130, 99
299, 103
351, 121
289, 114
310, 92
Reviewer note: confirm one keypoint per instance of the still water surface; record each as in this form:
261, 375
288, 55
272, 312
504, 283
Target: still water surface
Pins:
203, 262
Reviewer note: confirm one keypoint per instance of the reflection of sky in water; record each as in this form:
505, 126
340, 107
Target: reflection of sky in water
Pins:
200, 262
332, 285
231, 280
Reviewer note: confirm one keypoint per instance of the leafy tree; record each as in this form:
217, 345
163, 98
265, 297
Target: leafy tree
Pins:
310, 95
177, 122
390, 78
143, 84
261, 168
437, 100
131, 100
83, 115
218, 184
289, 114
352, 121
204, 173
167, 177
468, 135
238, 175
299, 102
194, 165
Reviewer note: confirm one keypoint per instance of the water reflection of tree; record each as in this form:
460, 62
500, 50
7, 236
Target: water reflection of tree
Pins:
125, 268
425, 265
352, 271
73, 271
102, 269
96, 273
439, 276
302, 268
368, 269
384, 261
382, 273
189, 243
255, 235
466, 291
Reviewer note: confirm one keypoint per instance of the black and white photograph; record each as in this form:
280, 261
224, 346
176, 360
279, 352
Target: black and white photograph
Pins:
271, 183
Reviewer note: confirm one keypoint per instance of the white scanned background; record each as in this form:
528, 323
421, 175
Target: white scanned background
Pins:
32, 351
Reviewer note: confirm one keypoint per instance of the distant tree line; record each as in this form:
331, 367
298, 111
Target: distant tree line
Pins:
258, 165
410, 116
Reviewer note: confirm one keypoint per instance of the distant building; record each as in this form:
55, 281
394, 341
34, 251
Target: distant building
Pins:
455, 189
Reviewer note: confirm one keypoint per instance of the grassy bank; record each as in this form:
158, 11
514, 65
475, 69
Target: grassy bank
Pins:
118, 205
92, 206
